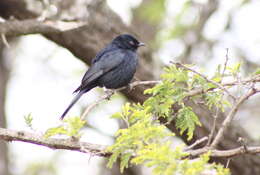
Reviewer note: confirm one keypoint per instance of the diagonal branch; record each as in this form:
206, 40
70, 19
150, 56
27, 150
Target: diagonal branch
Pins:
231, 115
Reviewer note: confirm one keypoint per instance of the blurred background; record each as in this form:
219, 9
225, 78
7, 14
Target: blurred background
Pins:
38, 73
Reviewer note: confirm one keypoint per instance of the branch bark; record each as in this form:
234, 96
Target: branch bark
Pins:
68, 144
99, 150
33, 26
226, 153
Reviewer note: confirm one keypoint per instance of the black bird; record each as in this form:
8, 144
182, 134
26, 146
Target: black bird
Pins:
113, 67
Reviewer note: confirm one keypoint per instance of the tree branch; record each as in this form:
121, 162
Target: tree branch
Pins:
225, 153
32, 26
111, 92
153, 82
99, 150
68, 144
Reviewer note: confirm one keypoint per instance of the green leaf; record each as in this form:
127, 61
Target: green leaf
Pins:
124, 161
215, 99
217, 79
234, 69
117, 115
28, 120
112, 158
74, 124
55, 131
257, 71
186, 121
70, 127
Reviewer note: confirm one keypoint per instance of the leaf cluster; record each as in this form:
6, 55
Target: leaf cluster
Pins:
71, 127
146, 141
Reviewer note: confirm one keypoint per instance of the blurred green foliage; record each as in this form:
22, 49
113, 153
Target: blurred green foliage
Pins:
153, 11
41, 168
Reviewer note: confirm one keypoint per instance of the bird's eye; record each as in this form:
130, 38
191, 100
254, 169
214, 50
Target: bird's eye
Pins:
131, 42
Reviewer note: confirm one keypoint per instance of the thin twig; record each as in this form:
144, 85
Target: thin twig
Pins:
242, 142
96, 103
226, 61
213, 127
138, 83
231, 115
197, 142
111, 92
224, 153
217, 110
253, 79
203, 76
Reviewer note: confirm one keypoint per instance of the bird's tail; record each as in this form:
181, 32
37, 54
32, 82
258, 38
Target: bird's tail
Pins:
74, 100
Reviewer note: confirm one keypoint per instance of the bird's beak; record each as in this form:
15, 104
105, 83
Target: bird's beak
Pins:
141, 44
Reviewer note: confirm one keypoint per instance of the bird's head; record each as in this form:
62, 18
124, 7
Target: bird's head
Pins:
127, 41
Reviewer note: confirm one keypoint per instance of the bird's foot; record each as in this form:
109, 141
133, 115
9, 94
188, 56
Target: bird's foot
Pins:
130, 87
108, 93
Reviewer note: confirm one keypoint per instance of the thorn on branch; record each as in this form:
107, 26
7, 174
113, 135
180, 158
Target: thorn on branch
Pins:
226, 61
228, 161
242, 142
5, 40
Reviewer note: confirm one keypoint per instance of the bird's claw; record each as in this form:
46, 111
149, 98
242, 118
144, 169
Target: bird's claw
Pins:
108, 93
130, 87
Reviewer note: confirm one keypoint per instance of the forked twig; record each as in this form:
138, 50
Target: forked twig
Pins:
203, 76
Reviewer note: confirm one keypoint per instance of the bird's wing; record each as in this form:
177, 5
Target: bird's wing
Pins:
109, 48
105, 63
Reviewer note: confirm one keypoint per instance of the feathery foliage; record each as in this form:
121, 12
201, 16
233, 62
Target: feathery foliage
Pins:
146, 141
